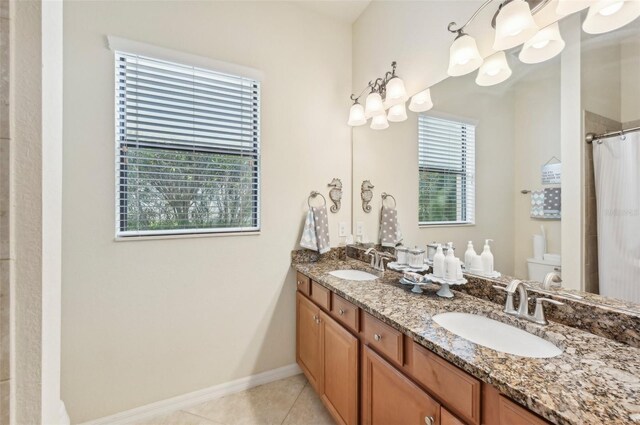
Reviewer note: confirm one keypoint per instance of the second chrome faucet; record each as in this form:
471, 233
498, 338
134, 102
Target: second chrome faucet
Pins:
523, 306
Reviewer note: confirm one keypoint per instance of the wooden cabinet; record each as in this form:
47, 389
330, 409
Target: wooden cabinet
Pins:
383, 338
446, 418
308, 341
513, 414
303, 283
389, 398
340, 365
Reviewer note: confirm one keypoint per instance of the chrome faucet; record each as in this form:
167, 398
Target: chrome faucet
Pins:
378, 258
551, 278
523, 306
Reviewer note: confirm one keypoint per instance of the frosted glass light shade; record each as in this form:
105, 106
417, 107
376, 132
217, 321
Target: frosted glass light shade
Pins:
609, 15
373, 105
356, 115
567, 7
396, 92
379, 122
464, 56
514, 25
546, 44
421, 101
494, 70
397, 113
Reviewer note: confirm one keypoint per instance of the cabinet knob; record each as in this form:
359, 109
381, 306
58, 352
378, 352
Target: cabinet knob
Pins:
341, 312
299, 283
377, 337
428, 420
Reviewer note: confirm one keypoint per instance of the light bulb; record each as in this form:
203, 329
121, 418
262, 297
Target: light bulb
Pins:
396, 92
397, 113
373, 105
611, 9
464, 56
514, 25
421, 102
379, 122
609, 15
546, 44
356, 115
494, 70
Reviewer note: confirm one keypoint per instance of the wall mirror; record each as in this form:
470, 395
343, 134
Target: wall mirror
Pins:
509, 162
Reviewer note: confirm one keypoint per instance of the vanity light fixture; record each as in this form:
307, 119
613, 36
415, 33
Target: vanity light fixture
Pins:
567, 7
464, 56
494, 70
546, 44
387, 92
609, 15
421, 101
514, 25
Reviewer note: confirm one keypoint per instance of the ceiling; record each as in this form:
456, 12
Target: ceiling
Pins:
345, 10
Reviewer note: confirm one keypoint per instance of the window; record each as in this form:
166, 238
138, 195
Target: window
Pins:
188, 149
446, 162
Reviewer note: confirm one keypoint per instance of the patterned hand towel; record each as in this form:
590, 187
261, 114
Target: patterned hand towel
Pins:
537, 204
389, 229
308, 239
552, 202
322, 228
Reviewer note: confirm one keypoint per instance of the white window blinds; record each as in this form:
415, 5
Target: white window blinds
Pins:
446, 162
188, 149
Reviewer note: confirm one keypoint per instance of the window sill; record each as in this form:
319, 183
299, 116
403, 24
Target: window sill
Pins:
184, 236
426, 226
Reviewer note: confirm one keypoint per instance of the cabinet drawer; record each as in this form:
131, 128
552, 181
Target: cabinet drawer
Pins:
513, 414
345, 312
457, 389
321, 295
446, 418
386, 340
303, 283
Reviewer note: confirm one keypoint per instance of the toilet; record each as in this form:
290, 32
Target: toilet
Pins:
538, 269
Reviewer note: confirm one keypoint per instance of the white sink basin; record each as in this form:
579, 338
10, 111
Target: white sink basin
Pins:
353, 275
497, 335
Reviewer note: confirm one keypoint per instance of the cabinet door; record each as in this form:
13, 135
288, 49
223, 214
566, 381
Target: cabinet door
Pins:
308, 349
389, 398
340, 379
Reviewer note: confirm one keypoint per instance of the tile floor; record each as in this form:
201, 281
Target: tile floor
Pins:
289, 401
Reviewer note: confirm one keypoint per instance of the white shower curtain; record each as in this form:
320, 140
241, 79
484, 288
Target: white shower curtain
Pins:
617, 172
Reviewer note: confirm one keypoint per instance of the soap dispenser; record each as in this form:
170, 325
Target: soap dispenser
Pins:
469, 254
487, 258
438, 262
450, 264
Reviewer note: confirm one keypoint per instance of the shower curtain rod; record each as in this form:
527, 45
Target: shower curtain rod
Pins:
593, 136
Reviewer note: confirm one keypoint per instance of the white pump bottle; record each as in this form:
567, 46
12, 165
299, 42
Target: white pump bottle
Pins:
469, 254
438, 262
487, 258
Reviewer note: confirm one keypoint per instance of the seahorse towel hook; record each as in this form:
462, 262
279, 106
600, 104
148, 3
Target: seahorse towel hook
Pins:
335, 194
367, 195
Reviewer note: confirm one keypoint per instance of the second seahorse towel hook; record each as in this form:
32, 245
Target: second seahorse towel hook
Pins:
335, 194
366, 193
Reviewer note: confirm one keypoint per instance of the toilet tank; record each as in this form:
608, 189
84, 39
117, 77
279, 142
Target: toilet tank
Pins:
538, 269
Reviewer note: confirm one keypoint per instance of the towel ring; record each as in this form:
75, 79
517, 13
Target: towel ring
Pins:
386, 195
313, 195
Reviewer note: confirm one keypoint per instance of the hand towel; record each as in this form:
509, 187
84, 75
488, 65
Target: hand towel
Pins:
321, 220
552, 202
389, 229
537, 204
308, 239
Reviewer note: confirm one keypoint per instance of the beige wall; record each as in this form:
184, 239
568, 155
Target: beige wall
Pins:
147, 320
537, 140
629, 81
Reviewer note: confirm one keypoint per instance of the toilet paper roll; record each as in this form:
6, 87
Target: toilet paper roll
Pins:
539, 247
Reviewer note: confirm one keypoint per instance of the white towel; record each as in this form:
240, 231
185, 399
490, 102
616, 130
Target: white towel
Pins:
389, 229
308, 239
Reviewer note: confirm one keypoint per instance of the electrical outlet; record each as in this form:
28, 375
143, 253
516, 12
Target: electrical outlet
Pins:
342, 229
359, 228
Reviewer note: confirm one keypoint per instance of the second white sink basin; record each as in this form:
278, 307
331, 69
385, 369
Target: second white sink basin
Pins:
353, 275
497, 335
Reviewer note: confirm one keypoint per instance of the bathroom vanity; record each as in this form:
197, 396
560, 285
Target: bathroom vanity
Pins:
372, 352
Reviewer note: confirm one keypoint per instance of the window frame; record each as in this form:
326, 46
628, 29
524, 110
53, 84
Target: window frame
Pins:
119, 48
468, 199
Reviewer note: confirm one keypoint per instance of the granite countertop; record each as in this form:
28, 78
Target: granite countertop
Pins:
594, 381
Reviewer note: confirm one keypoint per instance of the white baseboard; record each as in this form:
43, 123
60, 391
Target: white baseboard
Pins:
190, 399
